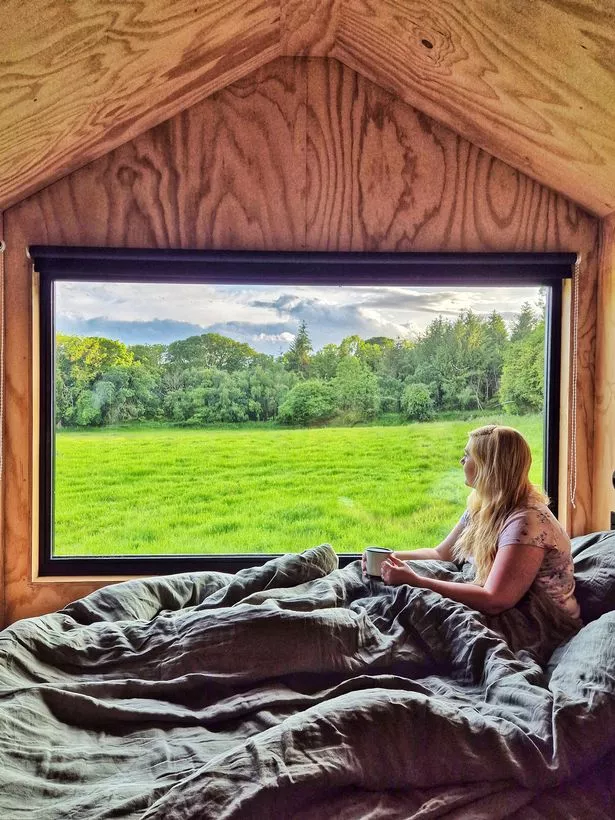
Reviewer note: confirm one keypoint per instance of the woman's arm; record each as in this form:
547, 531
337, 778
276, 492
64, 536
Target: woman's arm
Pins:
513, 571
443, 552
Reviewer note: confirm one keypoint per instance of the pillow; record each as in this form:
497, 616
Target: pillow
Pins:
594, 570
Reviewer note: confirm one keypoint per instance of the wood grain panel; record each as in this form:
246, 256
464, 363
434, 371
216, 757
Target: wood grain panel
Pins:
604, 416
579, 514
228, 173
532, 83
417, 184
81, 78
309, 27
304, 154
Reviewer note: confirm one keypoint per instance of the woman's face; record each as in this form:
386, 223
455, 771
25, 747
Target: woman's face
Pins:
469, 466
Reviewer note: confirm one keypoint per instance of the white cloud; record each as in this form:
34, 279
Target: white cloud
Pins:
286, 338
267, 317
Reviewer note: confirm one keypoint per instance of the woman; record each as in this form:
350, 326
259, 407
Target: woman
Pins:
507, 531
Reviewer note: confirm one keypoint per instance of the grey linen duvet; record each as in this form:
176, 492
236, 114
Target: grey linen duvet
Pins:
298, 689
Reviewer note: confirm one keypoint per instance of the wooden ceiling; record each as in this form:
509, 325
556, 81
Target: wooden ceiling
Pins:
530, 81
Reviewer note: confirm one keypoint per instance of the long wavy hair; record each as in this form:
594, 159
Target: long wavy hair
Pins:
502, 458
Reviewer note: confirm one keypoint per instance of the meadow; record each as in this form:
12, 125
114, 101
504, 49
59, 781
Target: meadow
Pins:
259, 489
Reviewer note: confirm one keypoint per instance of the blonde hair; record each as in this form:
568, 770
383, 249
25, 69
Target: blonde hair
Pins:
502, 458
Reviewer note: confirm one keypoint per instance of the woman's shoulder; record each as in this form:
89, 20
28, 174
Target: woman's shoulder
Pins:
532, 511
533, 524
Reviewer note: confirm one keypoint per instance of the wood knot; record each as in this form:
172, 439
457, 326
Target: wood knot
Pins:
126, 176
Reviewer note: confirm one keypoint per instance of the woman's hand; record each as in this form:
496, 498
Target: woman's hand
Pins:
394, 571
364, 561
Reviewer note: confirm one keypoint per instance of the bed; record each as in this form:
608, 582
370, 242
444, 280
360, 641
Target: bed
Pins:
299, 689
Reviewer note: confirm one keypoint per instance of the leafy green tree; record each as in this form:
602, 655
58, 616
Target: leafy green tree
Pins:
461, 360
86, 357
123, 393
80, 362
64, 399
266, 387
470, 349
496, 344
522, 383
208, 396
390, 390
466, 398
398, 361
133, 394
350, 346
371, 351
323, 364
225, 400
356, 388
417, 403
219, 399
177, 405
210, 350
150, 356
309, 401
433, 361
88, 408
383, 342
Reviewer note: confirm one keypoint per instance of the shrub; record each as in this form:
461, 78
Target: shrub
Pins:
308, 402
416, 402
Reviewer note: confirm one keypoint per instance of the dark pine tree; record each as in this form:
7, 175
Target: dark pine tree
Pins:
297, 358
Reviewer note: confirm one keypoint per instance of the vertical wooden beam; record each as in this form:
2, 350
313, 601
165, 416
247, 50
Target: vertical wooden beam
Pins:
604, 408
2, 471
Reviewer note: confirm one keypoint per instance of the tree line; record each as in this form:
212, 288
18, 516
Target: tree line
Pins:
469, 363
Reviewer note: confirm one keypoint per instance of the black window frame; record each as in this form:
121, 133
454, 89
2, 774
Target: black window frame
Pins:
51, 264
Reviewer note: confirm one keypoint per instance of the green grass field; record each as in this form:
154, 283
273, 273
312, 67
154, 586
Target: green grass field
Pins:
144, 491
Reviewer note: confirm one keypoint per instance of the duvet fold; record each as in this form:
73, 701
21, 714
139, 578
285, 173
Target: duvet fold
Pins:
298, 689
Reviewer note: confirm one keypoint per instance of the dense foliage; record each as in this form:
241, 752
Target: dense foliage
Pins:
470, 363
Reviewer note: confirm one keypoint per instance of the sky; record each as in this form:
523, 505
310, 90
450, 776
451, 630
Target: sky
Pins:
267, 316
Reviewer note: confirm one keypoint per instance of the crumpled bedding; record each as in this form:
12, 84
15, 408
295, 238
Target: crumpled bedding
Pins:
298, 689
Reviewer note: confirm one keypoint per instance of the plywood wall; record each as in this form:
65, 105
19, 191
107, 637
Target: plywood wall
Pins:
303, 154
528, 81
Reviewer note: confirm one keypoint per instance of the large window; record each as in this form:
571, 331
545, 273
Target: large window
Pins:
209, 410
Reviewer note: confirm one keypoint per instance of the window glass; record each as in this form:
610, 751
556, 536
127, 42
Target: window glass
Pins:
196, 419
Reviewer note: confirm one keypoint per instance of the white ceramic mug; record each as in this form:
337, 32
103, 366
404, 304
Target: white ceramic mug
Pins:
374, 558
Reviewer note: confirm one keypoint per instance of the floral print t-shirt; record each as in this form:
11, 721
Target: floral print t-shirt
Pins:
536, 526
